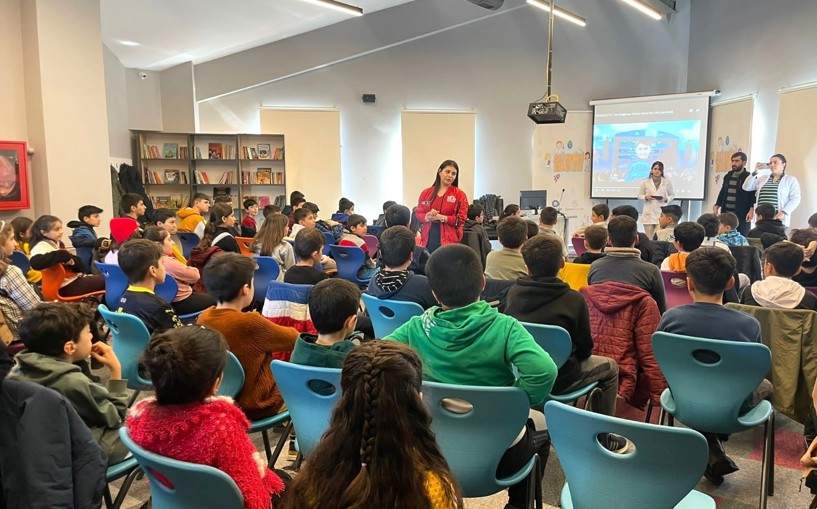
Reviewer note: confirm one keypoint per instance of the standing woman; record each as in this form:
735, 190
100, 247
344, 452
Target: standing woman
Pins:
656, 190
777, 189
442, 209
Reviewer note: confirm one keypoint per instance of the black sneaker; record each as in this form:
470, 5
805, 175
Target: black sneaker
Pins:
614, 443
712, 477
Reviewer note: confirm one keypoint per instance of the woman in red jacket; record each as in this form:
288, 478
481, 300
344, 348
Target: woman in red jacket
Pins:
442, 209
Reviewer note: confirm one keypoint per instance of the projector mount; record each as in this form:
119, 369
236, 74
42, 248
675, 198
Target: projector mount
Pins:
549, 111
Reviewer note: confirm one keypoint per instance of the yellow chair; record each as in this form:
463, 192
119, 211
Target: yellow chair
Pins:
575, 274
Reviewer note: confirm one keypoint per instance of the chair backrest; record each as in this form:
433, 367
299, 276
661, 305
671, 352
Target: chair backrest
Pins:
52, 280
812, 289
710, 378
21, 261
168, 289
552, 339
372, 243
330, 239
349, 259
578, 245
268, 270
666, 465
675, 288
233, 378
245, 245
130, 337
388, 315
749, 261
575, 275
189, 241
474, 442
115, 282
305, 392
86, 254
183, 484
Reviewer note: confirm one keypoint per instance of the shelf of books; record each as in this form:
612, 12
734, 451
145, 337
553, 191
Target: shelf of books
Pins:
262, 167
164, 163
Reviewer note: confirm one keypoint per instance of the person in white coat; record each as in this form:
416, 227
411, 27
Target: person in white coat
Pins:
777, 189
655, 191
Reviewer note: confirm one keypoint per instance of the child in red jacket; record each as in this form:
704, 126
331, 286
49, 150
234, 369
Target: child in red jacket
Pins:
188, 422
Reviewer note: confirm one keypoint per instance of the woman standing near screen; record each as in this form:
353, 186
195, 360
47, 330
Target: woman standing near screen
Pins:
655, 191
777, 189
442, 209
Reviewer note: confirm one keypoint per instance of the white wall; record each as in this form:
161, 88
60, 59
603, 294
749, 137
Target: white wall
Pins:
178, 98
144, 100
116, 95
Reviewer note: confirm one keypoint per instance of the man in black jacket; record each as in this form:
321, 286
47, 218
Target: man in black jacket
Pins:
732, 197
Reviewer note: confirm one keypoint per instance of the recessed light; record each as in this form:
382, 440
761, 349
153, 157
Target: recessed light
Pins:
128, 43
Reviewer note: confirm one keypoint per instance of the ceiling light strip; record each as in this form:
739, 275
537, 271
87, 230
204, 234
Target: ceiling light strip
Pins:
560, 13
338, 6
646, 9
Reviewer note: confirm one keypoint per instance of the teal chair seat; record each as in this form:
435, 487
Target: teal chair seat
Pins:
387, 315
130, 337
693, 500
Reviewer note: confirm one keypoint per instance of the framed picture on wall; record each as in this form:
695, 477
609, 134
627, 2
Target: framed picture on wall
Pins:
13, 175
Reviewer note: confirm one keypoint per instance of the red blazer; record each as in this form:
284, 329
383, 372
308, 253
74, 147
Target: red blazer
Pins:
453, 205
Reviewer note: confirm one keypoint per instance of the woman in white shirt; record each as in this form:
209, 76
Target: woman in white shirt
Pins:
777, 189
655, 191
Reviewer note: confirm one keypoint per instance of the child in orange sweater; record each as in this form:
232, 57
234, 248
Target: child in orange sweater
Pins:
688, 237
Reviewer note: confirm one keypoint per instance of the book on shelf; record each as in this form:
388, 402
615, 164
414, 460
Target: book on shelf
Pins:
198, 152
183, 154
215, 151
170, 151
279, 178
264, 151
220, 191
172, 177
278, 154
263, 176
169, 201
226, 178
201, 177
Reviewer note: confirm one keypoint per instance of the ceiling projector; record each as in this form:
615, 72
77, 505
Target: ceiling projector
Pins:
488, 4
550, 112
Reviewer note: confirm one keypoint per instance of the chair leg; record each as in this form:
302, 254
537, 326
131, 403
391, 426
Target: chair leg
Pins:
771, 457
298, 460
126, 484
107, 497
540, 473
661, 415
132, 398
279, 447
649, 411
265, 436
765, 466
670, 420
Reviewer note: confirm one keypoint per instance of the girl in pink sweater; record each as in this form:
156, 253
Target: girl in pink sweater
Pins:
188, 422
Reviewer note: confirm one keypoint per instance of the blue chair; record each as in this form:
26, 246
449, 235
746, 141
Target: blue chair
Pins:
308, 405
21, 261
128, 469
189, 241
85, 254
231, 385
268, 270
474, 442
708, 381
191, 485
330, 240
130, 337
115, 283
557, 343
388, 315
349, 260
168, 291
662, 471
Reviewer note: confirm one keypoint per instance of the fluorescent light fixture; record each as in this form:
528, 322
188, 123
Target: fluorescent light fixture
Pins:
646, 9
128, 43
338, 6
559, 13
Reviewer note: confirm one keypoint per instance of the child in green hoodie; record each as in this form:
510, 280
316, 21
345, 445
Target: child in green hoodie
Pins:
58, 335
467, 342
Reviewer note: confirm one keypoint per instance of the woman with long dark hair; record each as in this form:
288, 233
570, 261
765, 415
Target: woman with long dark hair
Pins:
442, 208
656, 191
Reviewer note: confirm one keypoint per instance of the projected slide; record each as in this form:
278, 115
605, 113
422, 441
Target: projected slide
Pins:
631, 137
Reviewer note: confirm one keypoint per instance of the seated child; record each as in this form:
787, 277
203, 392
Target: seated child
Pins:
271, 209
727, 230
166, 220
251, 337
400, 215
302, 218
269, 241
308, 249
297, 203
192, 217
767, 228
133, 206
598, 216
710, 223
384, 378
187, 421
474, 234
84, 234
595, 239
22, 234
667, 221
220, 230
777, 290
57, 336
709, 274
249, 227
543, 298
353, 236
812, 220
688, 237
346, 208
547, 225
806, 237
381, 219
465, 341
333, 306
533, 228
143, 263
507, 263
295, 197
122, 230
395, 281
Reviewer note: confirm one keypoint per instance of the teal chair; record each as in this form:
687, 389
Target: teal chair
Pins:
661, 472
168, 291
309, 404
130, 337
183, 485
557, 343
129, 469
474, 442
115, 283
231, 384
189, 241
708, 381
268, 270
387, 315
349, 261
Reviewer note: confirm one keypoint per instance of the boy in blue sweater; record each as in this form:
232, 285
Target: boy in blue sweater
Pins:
84, 234
395, 281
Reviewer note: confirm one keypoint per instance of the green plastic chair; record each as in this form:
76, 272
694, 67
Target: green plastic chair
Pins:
387, 315
661, 472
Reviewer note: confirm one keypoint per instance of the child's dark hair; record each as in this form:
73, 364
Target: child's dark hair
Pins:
728, 219
626, 210
298, 201
162, 215
271, 209
474, 211
387, 204
225, 275
812, 220
40, 226
710, 223
786, 258
301, 214
398, 215
379, 448
155, 234
223, 198
549, 216
199, 197
533, 229
219, 211
509, 210
184, 363
128, 201
710, 269
396, 245
512, 232
672, 211
249, 203
21, 225
137, 256
601, 209
345, 204
294, 196
543, 255
596, 236
313, 207
331, 302
307, 241
46, 328
88, 211
455, 275
766, 211
690, 235
622, 231
355, 220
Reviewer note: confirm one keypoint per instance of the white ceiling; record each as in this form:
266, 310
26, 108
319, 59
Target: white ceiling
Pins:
170, 32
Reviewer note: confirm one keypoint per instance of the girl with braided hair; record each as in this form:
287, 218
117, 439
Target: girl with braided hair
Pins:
379, 450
